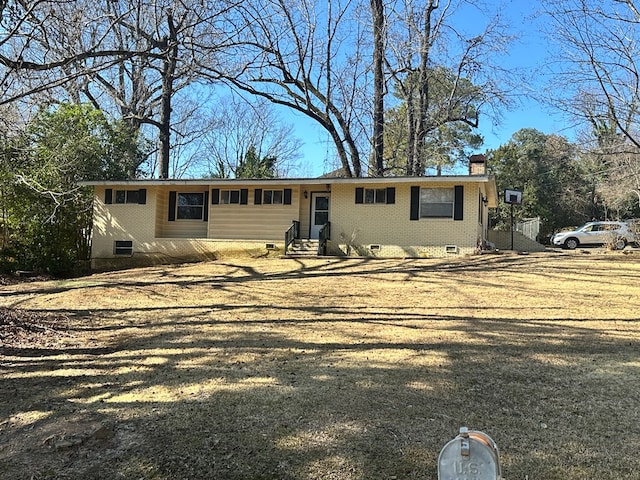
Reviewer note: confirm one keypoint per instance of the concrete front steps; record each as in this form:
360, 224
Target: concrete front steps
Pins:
303, 248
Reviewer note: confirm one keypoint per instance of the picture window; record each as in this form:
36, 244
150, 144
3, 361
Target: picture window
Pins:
436, 202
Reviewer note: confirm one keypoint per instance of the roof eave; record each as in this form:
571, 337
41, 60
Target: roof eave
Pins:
294, 181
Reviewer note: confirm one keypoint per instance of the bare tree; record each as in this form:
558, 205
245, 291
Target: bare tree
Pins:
174, 33
598, 76
134, 54
31, 61
598, 83
236, 126
132, 57
423, 44
623, 181
304, 55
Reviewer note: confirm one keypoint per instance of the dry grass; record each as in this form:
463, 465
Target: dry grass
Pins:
328, 369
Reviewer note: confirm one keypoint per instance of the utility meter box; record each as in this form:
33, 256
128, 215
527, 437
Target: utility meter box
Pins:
472, 455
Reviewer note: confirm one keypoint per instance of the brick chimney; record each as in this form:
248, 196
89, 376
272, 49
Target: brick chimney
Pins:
477, 165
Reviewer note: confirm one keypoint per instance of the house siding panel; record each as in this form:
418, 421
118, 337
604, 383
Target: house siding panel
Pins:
253, 222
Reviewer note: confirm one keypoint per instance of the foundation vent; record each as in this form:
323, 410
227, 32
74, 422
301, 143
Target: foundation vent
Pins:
123, 248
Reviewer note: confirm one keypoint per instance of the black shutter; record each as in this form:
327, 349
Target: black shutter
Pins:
257, 196
142, 196
458, 203
359, 195
205, 215
415, 203
173, 196
108, 196
215, 196
287, 196
391, 195
244, 196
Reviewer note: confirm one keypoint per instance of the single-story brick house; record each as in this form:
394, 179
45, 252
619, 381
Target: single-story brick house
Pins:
154, 221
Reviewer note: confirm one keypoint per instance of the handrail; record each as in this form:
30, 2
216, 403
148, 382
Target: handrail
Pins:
323, 235
291, 234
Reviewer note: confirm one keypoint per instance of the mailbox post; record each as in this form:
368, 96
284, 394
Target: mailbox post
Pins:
472, 455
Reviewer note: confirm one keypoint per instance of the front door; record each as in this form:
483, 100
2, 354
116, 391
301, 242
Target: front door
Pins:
319, 212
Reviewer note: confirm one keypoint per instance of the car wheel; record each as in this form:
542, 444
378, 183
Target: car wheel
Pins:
571, 243
619, 244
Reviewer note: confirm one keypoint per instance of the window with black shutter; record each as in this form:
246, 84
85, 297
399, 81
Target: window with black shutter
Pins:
190, 206
229, 197
437, 202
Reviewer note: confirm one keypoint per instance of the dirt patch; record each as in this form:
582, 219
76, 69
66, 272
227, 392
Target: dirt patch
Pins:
323, 368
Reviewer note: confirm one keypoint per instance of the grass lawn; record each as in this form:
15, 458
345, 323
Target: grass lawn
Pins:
324, 369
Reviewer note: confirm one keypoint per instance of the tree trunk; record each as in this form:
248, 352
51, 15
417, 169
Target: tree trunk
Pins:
411, 125
420, 131
168, 71
377, 11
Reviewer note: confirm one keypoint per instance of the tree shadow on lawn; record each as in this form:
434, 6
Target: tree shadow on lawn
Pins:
220, 274
354, 391
273, 400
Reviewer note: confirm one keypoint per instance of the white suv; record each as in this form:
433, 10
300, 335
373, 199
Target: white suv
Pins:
616, 234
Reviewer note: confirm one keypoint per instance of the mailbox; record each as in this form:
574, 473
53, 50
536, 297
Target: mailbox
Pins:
472, 455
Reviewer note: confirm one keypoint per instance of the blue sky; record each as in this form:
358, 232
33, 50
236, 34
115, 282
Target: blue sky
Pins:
531, 54
528, 54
